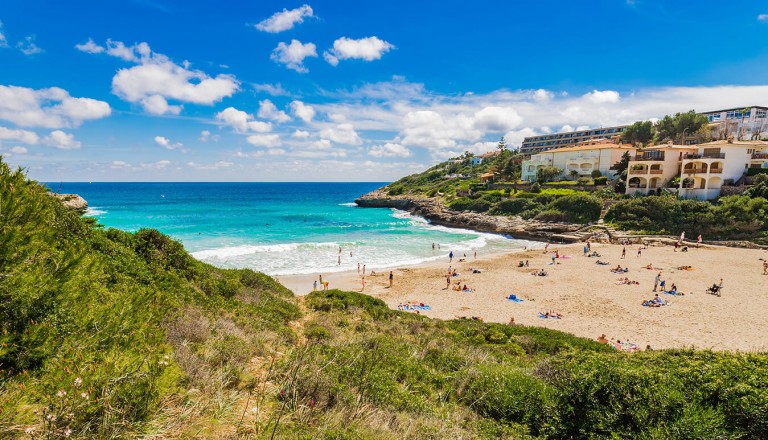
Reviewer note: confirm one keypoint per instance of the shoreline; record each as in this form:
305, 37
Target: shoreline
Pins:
588, 297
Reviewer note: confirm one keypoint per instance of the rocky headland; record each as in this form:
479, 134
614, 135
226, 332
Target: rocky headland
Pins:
433, 210
72, 201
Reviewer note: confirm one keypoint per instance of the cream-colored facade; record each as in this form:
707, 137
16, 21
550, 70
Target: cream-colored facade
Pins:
584, 159
702, 168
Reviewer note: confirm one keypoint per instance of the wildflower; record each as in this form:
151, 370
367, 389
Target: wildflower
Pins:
84, 395
67, 432
30, 430
51, 418
78, 382
61, 393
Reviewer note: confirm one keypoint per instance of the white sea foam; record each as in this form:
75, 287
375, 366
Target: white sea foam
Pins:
93, 212
352, 204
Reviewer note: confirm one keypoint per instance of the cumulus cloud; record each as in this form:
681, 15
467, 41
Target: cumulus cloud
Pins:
342, 134
89, 47
292, 55
302, 111
268, 110
18, 150
27, 46
48, 108
284, 20
494, 118
431, 129
389, 150
167, 144
62, 140
368, 49
156, 79
25, 136
206, 136
763, 18
300, 134
264, 140
603, 96
241, 121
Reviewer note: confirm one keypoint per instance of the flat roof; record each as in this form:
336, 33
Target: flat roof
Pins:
593, 147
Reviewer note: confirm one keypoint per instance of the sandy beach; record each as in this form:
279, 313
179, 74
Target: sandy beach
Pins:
587, 296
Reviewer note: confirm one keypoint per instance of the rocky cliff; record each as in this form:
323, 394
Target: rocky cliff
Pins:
433, 210
72, 201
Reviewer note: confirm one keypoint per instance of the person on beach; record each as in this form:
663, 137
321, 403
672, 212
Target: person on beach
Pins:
391, 278
656, 281
698, 241
339, 260
450, 257
363, 269
447, 282
321, 278
585, 250
314, 286
362, 280
433, 246
589, 247
639, 252
475, 255
623, 252
358, 267
765, 267
546, 246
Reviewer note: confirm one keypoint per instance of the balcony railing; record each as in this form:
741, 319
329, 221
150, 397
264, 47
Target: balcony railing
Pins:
657, 171
715, 170
642, 157
760, 156
704, 156
694, 170
639, 171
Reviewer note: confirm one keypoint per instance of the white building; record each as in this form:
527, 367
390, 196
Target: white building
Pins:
702, 168
750, 123
584, 159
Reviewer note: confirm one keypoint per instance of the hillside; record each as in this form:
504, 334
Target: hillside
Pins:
107, 334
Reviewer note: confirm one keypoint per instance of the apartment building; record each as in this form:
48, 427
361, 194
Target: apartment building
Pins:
584, 158
702, 168
745, 123
536, 144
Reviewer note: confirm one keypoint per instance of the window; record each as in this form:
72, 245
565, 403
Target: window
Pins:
714, 118
761, 114
737, 114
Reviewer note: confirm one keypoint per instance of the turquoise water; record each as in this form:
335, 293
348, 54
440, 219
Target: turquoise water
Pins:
280, 228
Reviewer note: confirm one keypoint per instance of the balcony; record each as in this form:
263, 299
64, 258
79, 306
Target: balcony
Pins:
716, 170
647, 157
657, 171
639, 171
704, 156
694, 171
759, 155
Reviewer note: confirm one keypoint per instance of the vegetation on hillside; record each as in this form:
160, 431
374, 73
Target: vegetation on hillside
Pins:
107, 334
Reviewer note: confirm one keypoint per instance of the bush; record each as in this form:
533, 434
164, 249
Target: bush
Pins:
583, 181
579, 208
536, 187
601, 180
467, 204
515, 206
596, 174
550, 215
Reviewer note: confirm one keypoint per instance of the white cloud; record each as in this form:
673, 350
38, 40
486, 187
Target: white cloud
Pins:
292, 55
3, 40
167, 144
282, 21
156, 80
18, 150
271, 89
89, 47
342, 134
428, 128
763, 18
494, 118
159, 165
28, 137
211, 166
264, 140
206, 136
603, 96
267, 110
119, 164
242, 122
303, 111
320, 144
300, 134
542, 95
389, 150
64, 141
368, 49
28, 47
48, 108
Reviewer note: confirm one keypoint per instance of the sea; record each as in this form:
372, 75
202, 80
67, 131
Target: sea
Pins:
281, 228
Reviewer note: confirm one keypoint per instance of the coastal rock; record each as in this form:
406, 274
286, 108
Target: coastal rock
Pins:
433, 210
72, 201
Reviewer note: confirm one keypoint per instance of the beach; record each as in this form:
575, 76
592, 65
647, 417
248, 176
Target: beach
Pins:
587, 296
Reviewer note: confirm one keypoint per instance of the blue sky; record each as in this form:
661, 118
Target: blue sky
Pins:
160, 90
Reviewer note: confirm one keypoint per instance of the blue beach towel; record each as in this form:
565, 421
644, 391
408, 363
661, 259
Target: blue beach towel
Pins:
514, 298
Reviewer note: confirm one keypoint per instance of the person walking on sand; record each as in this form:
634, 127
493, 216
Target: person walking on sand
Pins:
623, 252
363, 269
765, 267
362, 280
339, 260
589, 247
358, 268
639, 252
391, 278
450, 257
447, 282
656, 281
314, 286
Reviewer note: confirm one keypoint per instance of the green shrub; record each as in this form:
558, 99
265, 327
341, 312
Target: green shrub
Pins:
536, 187
550, 215
601, 180
515, 206
596, 173
579, 208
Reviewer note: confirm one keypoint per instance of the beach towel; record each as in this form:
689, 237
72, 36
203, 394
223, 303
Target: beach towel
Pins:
669, 292
543, 316
514, 298
566, 257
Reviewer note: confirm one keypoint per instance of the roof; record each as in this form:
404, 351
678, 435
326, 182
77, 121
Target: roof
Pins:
489, 154
735, 109
486, 175
725, 143
670, 147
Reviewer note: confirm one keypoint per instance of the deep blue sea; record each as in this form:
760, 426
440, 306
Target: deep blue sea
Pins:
280, 228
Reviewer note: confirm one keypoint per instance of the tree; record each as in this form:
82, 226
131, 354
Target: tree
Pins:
640, 132
502, 146
620, 171
675, 127
574, 174
545, 174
